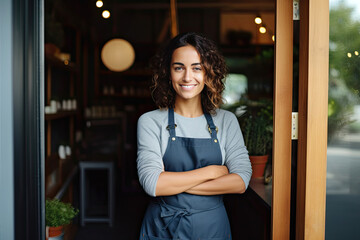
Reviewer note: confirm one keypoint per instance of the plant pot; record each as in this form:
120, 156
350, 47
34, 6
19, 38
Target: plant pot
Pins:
258, 164
55, 233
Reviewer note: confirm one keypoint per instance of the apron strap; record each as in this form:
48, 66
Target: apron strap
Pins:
171, 123
211, 126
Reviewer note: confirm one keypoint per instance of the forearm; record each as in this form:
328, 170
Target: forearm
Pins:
171, 183
230, 183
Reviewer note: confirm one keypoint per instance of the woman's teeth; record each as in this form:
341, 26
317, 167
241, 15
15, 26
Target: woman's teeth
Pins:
187, 86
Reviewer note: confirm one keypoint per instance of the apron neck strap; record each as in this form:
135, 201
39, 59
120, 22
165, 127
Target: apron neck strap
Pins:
171, 124
211, 126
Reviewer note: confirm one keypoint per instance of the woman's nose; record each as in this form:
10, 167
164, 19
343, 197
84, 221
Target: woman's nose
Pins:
187, 75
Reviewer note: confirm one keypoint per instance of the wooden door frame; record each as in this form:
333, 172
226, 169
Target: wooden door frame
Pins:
281, 191
313, 116
313, 103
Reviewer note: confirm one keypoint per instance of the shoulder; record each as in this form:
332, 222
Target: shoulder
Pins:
154, 115
224, 116
153, 118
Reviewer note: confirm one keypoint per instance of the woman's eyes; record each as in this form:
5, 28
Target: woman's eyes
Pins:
197, 69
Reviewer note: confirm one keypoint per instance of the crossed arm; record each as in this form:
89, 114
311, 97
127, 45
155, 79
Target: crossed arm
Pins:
209, 180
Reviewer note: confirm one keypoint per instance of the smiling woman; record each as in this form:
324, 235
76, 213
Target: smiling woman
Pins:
190, 152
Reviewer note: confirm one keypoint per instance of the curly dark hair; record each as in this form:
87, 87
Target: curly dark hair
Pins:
211, 60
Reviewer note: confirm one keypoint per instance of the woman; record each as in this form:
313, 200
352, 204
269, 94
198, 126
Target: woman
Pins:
190, 152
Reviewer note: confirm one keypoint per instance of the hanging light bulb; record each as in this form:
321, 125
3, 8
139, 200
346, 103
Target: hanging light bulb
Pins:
258, 20
273, 38
106, 14
262, 29
99, 3
349, 55
356, 53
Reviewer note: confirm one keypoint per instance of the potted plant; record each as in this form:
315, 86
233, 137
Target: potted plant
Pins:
257, 130
58, 214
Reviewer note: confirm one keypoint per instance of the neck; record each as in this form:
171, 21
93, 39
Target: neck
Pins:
189, 109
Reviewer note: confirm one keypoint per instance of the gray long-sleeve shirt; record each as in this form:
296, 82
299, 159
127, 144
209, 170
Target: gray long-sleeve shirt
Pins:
152, 137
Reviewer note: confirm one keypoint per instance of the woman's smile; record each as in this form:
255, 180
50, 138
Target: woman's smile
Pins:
188, 87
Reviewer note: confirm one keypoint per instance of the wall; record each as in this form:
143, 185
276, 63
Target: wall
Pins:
6, 124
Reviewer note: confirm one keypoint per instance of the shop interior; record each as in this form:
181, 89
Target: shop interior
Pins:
93, 99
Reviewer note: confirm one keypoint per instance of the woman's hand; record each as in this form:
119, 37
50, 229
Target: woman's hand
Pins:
171, 183
217, 171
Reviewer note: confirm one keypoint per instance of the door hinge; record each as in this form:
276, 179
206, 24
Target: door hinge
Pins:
294, 126
296, 10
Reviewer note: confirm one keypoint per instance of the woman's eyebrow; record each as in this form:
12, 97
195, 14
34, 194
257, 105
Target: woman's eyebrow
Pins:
179, 63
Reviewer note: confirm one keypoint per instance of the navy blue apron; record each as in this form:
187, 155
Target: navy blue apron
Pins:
185, 216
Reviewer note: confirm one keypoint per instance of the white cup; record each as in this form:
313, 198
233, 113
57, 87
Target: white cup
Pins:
74, 104
69, 105
53, 106
47, 109
68, 150
61, 152
64, 105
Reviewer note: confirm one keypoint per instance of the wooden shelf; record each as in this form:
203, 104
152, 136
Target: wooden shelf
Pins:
53, 162
58, 115
54, 61
119, 95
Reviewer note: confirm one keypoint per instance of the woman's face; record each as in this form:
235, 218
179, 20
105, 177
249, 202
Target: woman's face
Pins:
187, 74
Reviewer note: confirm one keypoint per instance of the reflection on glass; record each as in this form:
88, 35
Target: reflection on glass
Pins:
343, 155
235, 86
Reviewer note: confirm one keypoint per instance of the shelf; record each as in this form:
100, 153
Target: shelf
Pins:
119, 95
262, 190
92, 122
58, 115
54, 61
53, 161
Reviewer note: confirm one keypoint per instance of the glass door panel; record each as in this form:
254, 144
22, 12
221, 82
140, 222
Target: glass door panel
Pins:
343, 153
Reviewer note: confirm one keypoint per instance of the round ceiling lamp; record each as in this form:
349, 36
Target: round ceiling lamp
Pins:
117, 55
258, 20
99, 3
262, 29
105, 14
